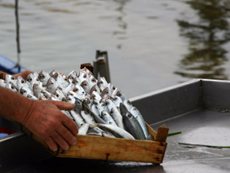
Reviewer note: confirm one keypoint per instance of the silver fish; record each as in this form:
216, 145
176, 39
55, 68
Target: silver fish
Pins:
117, 92
30, 96
85, 85
25, 91
136, 113
128, 104
102, 83
96, 114
107, 118
117, 101
116, 131
10, 78
2, 83
11, 86
43, 77
79, 91
52, 85
77, 118
133, 126
32, 78
60, 80
83, 129
88, 118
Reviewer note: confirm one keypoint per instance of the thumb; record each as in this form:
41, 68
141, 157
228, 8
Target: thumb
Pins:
63, 105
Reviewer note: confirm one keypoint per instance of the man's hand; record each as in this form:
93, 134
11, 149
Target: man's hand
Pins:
45, 119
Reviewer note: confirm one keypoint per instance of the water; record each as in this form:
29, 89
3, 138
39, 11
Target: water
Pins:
152, 44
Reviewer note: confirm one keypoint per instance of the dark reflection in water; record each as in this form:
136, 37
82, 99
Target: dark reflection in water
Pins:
121, 23
206, 40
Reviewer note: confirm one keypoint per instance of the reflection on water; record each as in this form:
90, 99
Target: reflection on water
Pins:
206, 40
121, 23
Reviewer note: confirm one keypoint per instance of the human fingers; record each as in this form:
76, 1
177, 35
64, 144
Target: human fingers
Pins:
70, 125
51, 143
59, 139
63, 105
67, 136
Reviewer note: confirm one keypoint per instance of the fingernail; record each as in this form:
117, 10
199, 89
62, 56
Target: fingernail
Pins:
66, 148
74, 142
54, 150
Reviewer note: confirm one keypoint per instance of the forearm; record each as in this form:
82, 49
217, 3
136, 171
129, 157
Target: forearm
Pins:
13, 106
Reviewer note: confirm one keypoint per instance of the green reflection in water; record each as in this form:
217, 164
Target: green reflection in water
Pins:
206, 40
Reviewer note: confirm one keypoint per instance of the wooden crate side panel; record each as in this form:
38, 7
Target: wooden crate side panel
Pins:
93, 147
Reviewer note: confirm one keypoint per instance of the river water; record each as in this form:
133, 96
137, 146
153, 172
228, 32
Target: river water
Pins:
152, 44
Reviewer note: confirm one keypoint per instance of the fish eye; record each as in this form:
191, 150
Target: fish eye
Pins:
57, 95
12, 78
114, 87
129, 116
115, 98
101, 82
68, 98
43, 85
84, 76
36, 79
75, 89
24, 91
71, 94
22, 81
85, 84
93, 80
51, 83
12, 87
129, 102
42, 76
111, 111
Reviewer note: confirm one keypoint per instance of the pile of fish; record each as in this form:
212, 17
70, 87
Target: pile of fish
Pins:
101, 108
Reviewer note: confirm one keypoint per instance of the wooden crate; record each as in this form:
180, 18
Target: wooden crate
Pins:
116, 149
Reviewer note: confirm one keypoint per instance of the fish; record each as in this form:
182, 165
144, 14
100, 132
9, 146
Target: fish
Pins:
115, 113
96, 114
83, 129
136, 113
133, 126
10, 78
77, 118
43, 77
128, 104
117, 100
32, 78
100, 108
25, 91
52, 85
11, 86
116, 131
107, 118
102, 83
79, 91
87, 117
85, 85
60, 80
2, 83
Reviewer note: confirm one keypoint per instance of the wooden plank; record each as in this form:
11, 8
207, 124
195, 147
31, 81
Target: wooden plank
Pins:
93, 147
162, 133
